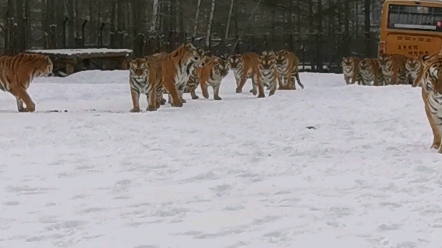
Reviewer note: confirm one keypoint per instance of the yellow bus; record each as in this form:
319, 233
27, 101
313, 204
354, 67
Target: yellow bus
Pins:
411, 27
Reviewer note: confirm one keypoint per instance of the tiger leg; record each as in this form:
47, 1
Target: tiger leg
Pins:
417, 80
260, 85
216, 92
241, 84
173, 92
181, 93
193, 94
20, 106
273, 87
204, 90
434, 128
299, 81
152, 100
280, 82
135, 100
21, 94
394, 79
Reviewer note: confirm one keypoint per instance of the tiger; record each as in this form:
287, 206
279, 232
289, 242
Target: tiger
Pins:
18, 72
370, 71
144, 78
431, 83
268, 72
192, 78
413, 65
393, 68
350, 69
214, 71
287, 67
245, 66
174, 70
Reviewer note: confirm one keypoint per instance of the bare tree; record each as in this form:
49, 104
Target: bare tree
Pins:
195, 28
229, 18
154, 15
209, 26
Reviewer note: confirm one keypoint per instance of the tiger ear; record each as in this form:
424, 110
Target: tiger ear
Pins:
190, 46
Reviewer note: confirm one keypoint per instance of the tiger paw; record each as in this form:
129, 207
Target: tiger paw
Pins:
151, 108
251, 90
435, 145
30, 108
22, 110
177, 105
238, 91
271, 93
163, 101
261, 96
195, 97
255, 92
217, 98
135, 110
183, 101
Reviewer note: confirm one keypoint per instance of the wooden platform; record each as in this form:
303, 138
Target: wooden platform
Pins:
72, 57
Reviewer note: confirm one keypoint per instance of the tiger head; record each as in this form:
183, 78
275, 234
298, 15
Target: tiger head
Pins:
348, 64
44, 65
203, 58
235, 61
385, 61
190, 52
366, 65
267, 61
221, 66
138, 69
281, 59
413, 64
432, 79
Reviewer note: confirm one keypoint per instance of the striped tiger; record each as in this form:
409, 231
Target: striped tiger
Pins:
245, 66
175, 68
393, 68
350, 69
287, 67
431, 82
370, 71
144, 78
413, 65
268, 72
18, 72
186, 73
215, 69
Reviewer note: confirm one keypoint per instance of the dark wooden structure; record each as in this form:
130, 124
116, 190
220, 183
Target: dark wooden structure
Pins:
70, 59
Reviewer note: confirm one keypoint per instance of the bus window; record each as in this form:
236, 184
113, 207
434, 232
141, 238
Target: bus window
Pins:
414, 17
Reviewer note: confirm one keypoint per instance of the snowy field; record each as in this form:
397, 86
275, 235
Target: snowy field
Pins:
241, 172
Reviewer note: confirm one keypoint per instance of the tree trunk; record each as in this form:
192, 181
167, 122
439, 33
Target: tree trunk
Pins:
197, 14
229, 18
153, 26
209, 26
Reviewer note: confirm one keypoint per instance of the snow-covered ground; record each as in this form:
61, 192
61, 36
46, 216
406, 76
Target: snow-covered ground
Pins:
241, 172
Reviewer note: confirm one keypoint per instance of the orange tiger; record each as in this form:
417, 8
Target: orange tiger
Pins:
144, 78
287, 66
393, 68
268, 72
245, 66
413, 65
431, 83
350, 69
210, 75
371, 72
174, 68
17, 73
